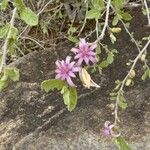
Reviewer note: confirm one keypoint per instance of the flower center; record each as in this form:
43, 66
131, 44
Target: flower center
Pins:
85, 51
65, 70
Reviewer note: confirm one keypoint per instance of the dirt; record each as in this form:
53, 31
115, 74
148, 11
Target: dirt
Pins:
31, 119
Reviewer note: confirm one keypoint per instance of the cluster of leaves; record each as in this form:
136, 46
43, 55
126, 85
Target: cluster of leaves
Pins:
10, 33
69, 93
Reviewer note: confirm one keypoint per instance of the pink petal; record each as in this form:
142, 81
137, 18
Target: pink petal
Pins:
91, 53
93, 59
75, 50
76, 69
70, 82
80, 61
63, 76
78, 56
82, 43
82, 40
57, 71
106, 132
63, 64
111, 126
58, 76
71, 65
71, 74
86, 60
58, 64
93, 46
68, 58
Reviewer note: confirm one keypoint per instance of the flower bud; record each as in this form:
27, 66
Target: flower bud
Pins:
116, 30
86, 79
143, 57
132, 74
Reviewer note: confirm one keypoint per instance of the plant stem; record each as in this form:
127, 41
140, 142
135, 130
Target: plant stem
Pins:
147, 12
5, 47
124, 81
106, 22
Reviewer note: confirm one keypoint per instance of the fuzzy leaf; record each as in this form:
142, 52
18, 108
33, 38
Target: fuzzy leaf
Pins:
70, 98
122, 144
118, 4
126, 16
104, 64
4, 4
110, 58
73, 39
3, 82
52, 84
98, 4
4, 30
145, 75
12, 73
115, 20
19, 4
93, 14
28, 16
13, 33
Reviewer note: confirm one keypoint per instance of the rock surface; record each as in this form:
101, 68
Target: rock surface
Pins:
31, 119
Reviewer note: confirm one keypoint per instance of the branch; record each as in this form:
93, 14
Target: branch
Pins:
106, 22
5, 47
147, 12
131, 36
32, 39
124, 81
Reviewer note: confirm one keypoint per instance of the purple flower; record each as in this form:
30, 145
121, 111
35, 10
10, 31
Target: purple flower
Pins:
85, 52
107, 130
65, 70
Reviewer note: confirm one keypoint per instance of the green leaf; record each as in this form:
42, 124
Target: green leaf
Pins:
13, 33
145, 75
118, 4
115, 20
72, 30
70, 98
73, 39
121, 143
110, 58
126, 16
12, 73
19, 4
12, 40
93, 14
98, 4
4, 30
122, 102
4, 4
103, 64
3, 85
28, 16
98, 49
123, 105
52, 84
3, 82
